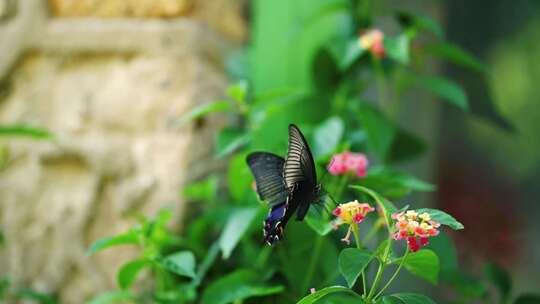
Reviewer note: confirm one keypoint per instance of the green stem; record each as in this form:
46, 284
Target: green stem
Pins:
395, 273
356, 234
313, 262
380, 271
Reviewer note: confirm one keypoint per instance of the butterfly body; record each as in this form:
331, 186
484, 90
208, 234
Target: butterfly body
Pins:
288, 185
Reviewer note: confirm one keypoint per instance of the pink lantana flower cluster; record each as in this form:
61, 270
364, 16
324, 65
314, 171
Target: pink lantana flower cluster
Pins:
346, 162
415, 228
372, 40
351, 213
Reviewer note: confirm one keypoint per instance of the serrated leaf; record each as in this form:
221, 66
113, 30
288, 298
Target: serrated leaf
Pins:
129, 271
327, 136
203, 110
443, 218
234, 230
352, 262
314, 297
121, 239
24, 131
181, 263
237, 286
424, 264
406, 298
445, 89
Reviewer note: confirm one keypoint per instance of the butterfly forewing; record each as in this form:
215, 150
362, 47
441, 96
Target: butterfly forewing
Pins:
299, 165
268, 171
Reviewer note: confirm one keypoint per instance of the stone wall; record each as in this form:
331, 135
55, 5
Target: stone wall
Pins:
109, 89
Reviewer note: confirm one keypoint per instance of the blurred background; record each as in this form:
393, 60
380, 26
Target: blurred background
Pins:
92, 95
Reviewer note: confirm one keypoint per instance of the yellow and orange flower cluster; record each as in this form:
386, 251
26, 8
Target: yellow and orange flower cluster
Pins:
352, 212
415, 227
372, 40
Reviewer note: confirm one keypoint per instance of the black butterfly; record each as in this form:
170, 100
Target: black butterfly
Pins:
288, 185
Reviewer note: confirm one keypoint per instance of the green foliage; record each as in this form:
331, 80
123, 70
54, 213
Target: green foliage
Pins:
501, 279
237, 286
235, 228
24, 131
308, 69
424, 264
406, 298
445, 89
443, 218
314, 297
528, 299
181, 263
352, 262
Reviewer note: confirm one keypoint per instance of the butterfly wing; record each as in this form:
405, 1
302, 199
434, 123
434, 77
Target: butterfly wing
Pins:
299, 173
267, 168
268, 171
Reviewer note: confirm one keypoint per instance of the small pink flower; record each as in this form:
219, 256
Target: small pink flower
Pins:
358, 218
337, 211
312, 290
345, 162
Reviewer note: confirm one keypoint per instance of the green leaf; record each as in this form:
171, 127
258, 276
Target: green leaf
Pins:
203, 110
238, 92
352, 262
327, 136
112, 297
421, 22
320, 222
204, 190
379, 130
24, 131
128, 272
393, 184
314, 297
500, 278
229, 140
181, 263
528, 299
353, 51
236, 227
423, 263
397, 48
466, 285
239, 178
457, 55
444, 248
445, 89
122, 239
443, 218
406, 298
35, 296
237, 286
381, 249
